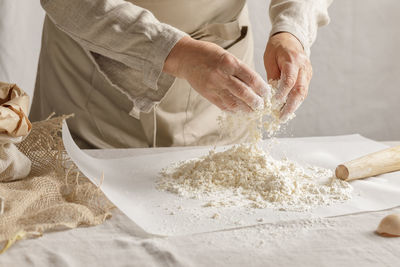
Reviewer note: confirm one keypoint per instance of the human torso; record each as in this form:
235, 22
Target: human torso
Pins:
190, 15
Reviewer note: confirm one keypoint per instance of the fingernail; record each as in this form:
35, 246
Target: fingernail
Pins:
284, 114
297, 104
284, 117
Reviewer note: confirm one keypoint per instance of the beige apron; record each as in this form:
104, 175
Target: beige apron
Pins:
68, 82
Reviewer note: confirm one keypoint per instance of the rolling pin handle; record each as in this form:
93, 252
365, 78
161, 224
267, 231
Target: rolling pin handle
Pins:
342, 172
380, 162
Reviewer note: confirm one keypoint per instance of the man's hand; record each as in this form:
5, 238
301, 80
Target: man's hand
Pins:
217, 75
285, 60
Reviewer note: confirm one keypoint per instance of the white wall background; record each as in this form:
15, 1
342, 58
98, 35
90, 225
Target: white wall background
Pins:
21, 24
356, 61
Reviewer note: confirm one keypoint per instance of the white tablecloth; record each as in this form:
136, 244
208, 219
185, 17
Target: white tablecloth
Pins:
341, 241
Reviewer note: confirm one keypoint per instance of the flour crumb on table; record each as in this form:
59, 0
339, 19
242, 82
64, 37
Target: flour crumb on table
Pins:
215, 216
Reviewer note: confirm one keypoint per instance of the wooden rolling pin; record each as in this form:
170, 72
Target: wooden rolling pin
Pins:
384, 161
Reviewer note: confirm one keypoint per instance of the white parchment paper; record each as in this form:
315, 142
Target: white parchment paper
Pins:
130, 184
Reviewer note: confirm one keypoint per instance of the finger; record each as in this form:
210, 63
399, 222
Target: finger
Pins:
287, 81
272, 68
252, 79
232, 103
297, 95
239, 89
218, 102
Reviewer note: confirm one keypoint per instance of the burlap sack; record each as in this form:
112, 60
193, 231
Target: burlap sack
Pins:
14, 126
54, 195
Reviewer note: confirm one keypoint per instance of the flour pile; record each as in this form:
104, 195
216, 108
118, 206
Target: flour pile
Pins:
244, 175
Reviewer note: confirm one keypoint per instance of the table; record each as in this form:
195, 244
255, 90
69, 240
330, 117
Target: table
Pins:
340, 241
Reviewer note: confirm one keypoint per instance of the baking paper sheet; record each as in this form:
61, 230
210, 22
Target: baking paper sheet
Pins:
130, 184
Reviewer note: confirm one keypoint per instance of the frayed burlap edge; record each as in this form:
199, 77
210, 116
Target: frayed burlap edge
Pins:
65, 198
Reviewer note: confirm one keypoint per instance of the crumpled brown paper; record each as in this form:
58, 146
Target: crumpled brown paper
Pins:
14, 105
14, 127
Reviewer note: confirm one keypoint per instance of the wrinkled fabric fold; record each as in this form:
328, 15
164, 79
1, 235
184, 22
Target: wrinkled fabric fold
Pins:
300, 18
124, 41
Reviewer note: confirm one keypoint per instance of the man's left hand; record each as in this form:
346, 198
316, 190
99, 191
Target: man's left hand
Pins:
285, 60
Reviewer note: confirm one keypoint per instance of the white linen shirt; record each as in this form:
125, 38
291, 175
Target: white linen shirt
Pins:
128, 44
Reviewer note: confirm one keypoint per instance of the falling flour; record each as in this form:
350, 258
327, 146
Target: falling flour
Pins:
245, 175
266, 119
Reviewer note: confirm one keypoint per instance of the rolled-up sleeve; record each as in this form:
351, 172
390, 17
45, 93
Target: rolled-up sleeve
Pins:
123, 40
300, 18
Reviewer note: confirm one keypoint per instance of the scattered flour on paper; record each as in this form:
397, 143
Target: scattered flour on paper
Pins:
245, 175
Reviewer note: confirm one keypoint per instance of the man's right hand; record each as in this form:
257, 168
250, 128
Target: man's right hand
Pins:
217, 75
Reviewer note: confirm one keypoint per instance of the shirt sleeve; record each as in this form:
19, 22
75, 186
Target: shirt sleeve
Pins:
123, 40
300, 18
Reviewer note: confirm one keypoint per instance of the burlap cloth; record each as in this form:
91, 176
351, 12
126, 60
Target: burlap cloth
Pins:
54, 195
